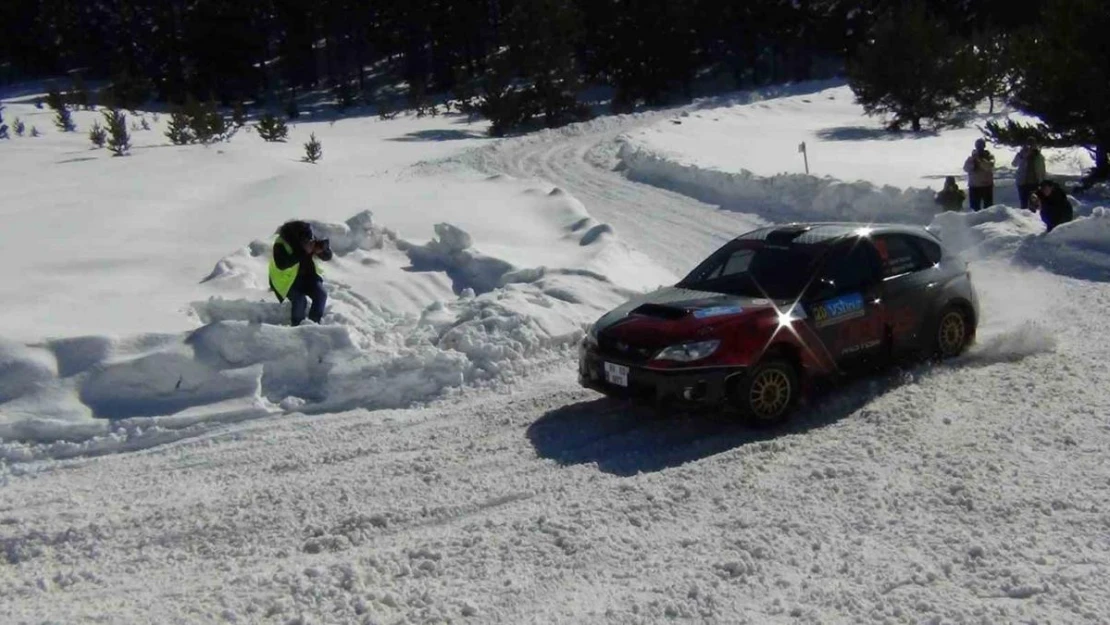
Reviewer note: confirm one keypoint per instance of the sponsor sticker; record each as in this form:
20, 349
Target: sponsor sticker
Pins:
862, 346
838, 309
717, 311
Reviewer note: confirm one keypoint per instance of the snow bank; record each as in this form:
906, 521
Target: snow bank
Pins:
499, 320
1080, 248
778, 198
993, 232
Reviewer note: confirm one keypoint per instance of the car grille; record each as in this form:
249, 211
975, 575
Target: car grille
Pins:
623, 352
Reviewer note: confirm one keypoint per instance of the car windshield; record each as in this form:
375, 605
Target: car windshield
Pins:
755, 269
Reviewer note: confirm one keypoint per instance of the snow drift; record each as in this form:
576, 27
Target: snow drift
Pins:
1079, 249
488, 321
782, 197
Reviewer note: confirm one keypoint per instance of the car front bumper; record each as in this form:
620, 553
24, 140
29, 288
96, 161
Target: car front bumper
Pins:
699, 385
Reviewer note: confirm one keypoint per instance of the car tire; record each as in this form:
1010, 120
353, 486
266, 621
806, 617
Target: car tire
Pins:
766, 395
952, 332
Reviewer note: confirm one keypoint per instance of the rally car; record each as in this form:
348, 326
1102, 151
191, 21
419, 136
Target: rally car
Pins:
778, 308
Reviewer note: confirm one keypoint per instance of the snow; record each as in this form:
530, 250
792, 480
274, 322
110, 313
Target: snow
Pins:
172, 451
512, 272
763, 137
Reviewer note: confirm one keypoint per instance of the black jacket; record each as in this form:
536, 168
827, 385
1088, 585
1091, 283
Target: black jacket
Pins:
1054, 205
296, 233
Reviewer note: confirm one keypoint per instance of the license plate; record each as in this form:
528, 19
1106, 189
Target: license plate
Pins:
616, 374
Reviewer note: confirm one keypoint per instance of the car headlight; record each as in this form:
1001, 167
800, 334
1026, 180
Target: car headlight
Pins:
689, 352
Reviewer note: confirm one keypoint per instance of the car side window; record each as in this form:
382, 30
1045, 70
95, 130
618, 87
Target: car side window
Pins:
722, 263
931, 250
738, 262
898, 255
851, 267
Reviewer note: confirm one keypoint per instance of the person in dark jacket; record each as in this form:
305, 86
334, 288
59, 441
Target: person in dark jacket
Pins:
293, 271
980, 176
1052, 202
951, 197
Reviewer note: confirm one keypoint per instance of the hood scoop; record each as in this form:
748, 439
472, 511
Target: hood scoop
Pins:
659, 311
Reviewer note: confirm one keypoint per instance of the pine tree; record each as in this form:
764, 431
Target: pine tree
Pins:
992, 70
3, 126
199, 122
20, 127
210, 125
1063, 68
386, 109
344, 94
271, 128
313, 150
119, 140
35, 132
79, 93
63, 120
913, 69
537, 74
239, 114
179, 130
465, 93
143, 123
504, 105
97, 135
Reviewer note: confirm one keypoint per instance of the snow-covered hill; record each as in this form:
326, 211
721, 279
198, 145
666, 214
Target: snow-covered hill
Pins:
169, 452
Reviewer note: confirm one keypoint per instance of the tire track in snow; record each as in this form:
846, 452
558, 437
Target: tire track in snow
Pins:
675, 230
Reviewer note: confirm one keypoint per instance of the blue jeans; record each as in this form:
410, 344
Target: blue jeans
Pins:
299, 298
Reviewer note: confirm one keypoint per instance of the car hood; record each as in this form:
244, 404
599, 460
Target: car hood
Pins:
673, 313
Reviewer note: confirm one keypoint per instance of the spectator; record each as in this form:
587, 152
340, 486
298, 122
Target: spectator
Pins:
1052, 201
293, 271
951, 197
980, 176
1030, 172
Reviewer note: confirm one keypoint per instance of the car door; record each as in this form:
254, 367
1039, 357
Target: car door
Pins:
908, 284
844, 308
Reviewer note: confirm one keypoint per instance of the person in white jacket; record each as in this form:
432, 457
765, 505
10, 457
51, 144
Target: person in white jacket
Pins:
980, 176
1029, 164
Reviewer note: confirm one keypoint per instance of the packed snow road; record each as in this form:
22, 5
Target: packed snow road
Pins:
674, 230
969, 493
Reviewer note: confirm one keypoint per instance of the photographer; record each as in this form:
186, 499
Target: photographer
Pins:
293, 271
980, 176
1030, 172
1052, 202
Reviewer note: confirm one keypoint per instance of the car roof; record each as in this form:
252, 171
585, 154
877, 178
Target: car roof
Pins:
826, 233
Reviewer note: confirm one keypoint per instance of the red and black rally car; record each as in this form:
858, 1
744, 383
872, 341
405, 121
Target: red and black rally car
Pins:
776, 308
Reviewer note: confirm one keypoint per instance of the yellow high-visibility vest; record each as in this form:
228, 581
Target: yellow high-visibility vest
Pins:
281, 280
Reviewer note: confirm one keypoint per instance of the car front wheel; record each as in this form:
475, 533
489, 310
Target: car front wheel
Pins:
767, 393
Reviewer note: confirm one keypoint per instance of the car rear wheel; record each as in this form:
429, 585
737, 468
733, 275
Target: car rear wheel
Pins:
767, 393
953, 332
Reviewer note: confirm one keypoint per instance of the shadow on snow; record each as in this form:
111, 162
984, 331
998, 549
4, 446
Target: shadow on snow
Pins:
624, 438
440, 134
863, 133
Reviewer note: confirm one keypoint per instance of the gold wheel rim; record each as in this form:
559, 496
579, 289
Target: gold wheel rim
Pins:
770, 392
952, 333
